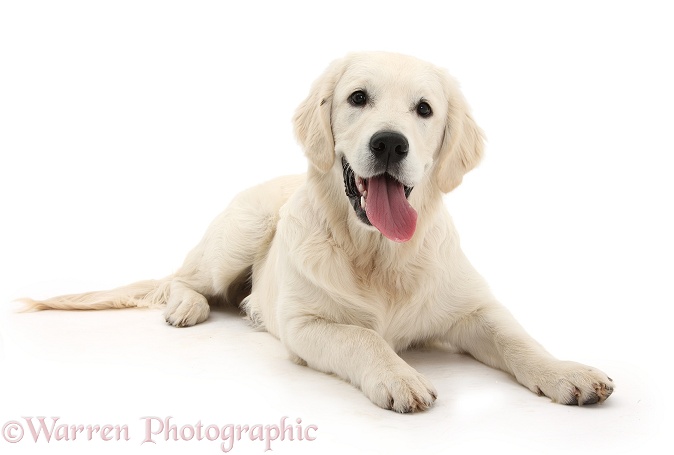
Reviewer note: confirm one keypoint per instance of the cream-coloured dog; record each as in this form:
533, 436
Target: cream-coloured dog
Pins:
358, 259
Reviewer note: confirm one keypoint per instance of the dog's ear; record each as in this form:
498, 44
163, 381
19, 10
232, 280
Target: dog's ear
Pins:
463, 142
312, 119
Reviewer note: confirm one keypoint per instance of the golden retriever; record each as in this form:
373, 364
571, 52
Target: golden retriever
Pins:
358, 259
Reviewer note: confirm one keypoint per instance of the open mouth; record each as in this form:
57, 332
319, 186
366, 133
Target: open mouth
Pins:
381, 201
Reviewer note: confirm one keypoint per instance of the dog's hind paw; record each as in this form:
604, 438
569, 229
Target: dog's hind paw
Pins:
186, 309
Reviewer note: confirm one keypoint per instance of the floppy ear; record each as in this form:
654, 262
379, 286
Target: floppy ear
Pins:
463, 141
312, 119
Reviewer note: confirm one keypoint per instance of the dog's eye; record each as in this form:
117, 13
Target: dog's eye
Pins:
358, 98
424, 109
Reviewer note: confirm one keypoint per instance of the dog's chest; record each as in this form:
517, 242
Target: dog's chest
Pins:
384, 283
399, 303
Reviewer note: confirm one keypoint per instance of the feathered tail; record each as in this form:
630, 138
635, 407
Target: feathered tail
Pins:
143, 294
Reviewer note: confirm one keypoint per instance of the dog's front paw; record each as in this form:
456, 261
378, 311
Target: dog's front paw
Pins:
573, 383
401, 390
186, 310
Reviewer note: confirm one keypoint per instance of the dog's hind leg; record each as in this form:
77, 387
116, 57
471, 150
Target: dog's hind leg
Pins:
236, 240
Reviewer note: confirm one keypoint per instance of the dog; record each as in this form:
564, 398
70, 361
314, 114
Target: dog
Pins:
358, 259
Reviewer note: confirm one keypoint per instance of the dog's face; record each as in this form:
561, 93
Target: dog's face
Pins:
390, 123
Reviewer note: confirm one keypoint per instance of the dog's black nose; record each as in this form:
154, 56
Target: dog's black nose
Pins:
389, 146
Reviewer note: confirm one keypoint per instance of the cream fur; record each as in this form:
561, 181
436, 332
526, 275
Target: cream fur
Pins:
342, 298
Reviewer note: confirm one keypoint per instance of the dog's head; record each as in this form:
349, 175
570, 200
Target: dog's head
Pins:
389, 123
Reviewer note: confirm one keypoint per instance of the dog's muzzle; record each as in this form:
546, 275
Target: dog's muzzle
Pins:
381, 201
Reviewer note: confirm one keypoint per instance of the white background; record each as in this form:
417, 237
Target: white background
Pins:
125, 127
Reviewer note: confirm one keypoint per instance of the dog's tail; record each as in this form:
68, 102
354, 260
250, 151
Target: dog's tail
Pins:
143, 294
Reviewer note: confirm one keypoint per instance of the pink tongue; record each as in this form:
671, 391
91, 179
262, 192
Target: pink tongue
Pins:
388, 210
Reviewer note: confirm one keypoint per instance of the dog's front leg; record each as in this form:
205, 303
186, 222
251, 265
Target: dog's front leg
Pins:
362, 357
494, 337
